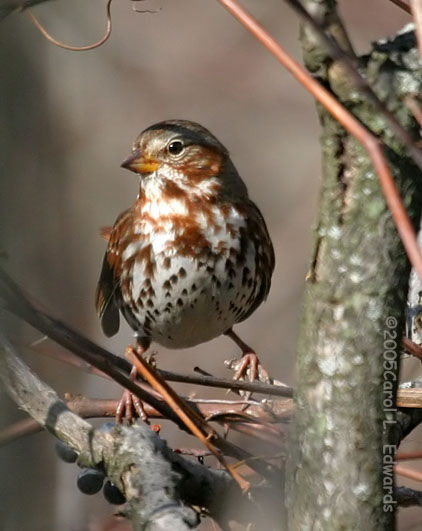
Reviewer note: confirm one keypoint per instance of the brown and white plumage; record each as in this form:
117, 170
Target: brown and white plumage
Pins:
192, 256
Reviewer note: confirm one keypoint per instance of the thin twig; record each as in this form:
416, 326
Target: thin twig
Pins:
17, 430
404, 456
348, 121
231, 414
412, 348
414, 107
61, 44
409, 398
408, 473
402, 5
416, 9
205, 380
196, 424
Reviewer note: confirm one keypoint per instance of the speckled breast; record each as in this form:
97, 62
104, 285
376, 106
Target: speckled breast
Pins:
188, 300
188, 280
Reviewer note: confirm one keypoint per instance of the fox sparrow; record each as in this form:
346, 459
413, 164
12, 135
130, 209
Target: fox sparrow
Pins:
192, 256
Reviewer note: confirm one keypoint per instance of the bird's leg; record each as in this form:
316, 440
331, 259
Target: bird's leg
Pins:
130, 405
249, 364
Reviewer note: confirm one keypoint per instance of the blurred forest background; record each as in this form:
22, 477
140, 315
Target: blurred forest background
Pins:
68, 119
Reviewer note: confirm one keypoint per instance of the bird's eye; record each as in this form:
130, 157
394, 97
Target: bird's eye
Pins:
175, 147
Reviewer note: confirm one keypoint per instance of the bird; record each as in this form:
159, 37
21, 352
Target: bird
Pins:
192, 256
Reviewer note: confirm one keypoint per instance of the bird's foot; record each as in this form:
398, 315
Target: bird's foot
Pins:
130, 406
248, 367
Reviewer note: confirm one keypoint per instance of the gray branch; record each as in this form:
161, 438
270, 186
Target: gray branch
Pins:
152, 477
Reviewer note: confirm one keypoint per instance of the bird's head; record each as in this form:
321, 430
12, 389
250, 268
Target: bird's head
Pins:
184, 153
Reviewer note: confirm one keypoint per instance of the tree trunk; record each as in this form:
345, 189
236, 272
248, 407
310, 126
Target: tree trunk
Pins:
353, 317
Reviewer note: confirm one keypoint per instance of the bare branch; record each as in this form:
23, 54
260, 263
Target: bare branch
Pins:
135, 458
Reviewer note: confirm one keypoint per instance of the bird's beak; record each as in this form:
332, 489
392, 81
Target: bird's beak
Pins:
139, 164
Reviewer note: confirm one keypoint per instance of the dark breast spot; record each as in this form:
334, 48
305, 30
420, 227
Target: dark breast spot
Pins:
229, 265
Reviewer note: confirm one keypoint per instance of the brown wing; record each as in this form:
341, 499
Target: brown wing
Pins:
265, 260
108, 287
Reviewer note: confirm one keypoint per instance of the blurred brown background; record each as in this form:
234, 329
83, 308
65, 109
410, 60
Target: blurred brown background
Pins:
68, 119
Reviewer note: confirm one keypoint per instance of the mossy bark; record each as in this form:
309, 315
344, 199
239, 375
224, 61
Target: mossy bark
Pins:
354, 307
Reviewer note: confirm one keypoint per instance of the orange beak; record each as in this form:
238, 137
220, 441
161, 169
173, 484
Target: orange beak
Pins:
139, 164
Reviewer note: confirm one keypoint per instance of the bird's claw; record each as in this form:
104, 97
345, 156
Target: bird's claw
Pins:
249, 368
129, 408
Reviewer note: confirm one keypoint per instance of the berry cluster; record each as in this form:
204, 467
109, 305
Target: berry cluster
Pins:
92, 480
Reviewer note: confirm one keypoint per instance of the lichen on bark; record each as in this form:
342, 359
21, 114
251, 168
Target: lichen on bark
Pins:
356, 291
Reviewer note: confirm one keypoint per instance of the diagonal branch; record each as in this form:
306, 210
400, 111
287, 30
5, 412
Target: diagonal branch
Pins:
348, 121
15, 301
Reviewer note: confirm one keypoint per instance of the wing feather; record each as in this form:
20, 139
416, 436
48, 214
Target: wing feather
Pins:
108, 288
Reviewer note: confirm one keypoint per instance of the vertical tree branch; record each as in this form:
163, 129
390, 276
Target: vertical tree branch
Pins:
354, 306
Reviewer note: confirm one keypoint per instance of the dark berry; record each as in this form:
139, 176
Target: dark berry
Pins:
90, 480
112, 494
65, 452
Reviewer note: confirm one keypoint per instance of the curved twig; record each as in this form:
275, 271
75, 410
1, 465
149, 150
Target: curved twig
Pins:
61, 44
